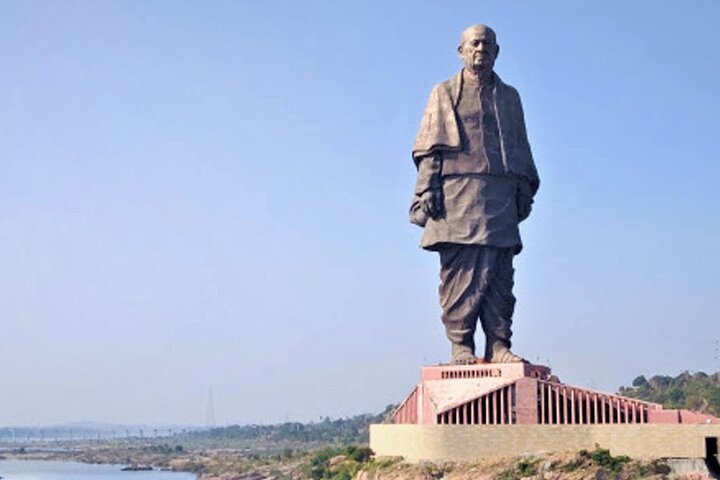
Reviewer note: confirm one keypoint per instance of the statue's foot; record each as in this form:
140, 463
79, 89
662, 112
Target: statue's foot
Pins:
462, 355
501, 354
464, 358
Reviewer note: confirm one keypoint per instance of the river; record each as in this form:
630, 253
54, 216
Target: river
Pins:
52, 470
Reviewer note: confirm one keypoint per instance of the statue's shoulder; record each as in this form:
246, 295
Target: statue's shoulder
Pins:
447, 89
508, 89
449, 84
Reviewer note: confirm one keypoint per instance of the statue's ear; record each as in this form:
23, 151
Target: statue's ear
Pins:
460, 49
497, 50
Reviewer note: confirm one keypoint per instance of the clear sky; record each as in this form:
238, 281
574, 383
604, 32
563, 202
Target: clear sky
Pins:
201, 195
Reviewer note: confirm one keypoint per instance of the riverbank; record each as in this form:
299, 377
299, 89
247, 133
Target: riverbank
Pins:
210, 464
357, 463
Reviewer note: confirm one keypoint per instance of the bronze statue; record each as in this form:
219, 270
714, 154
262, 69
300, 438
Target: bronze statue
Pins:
476, 182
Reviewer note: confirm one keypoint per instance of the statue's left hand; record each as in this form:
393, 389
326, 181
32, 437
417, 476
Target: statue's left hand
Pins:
432, 202
524, 200
524, 207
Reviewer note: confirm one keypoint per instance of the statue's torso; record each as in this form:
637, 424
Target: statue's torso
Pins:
479, 196
477, 117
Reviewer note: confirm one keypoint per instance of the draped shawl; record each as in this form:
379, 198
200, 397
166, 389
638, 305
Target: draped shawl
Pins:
439, 131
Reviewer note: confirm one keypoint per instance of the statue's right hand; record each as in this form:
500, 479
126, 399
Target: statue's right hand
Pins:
432, 202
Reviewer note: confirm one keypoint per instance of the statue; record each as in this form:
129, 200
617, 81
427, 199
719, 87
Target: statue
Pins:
476, 182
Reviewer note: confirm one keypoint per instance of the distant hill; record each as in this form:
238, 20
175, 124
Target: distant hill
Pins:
698, 391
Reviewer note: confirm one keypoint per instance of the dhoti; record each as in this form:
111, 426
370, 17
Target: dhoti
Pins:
476, 283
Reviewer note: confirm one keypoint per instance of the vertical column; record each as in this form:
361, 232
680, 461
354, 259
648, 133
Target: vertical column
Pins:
596, 418
582, 407
625, 411
588, 407
501, 405
557, 403
494, 399
486, 409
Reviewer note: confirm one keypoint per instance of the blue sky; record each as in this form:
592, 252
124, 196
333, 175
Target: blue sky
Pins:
215, 194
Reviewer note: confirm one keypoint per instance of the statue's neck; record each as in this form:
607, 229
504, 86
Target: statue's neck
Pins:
483, 77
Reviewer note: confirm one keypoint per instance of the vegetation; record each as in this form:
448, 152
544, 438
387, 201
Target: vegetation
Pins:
525, 467
339, 432
164, 448
697, 391
605, 465
356, 462
601, 457
337, 464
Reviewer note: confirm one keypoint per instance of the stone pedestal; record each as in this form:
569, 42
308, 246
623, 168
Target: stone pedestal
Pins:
523, 394
464, 413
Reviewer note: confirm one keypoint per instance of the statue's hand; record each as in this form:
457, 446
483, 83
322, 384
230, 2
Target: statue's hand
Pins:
524, 206
428, 197
524, 199
432, 202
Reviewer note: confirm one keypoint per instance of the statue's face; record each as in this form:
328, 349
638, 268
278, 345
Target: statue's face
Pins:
478, 48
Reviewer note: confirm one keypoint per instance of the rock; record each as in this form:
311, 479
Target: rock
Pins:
337, 460
137, 468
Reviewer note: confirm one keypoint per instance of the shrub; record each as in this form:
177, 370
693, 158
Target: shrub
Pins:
359, 454
527, 467
337, 463
602, 458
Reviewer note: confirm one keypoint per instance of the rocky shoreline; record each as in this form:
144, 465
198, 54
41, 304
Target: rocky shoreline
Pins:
356, 463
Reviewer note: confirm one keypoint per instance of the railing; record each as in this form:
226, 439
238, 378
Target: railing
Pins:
475, 373
563, 404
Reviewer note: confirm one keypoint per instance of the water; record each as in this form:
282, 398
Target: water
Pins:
50, 470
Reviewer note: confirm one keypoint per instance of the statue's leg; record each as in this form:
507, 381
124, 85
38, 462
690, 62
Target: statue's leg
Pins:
497, 307
461, 285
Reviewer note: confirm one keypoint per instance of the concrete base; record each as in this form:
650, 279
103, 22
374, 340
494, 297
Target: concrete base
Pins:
688, 466
466, 413
466, 443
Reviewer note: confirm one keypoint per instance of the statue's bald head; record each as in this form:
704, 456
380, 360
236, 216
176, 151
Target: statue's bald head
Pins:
478, 48
478, 28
